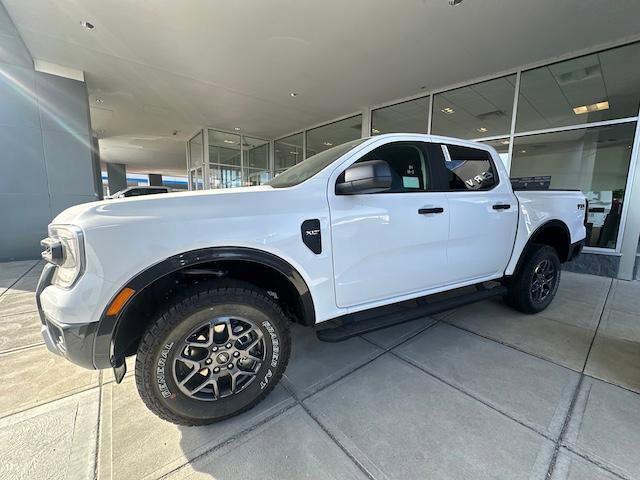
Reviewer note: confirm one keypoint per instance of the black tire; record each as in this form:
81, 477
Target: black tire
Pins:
527, 293
163, 348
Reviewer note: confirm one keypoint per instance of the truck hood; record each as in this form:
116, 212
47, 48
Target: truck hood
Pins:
164, 206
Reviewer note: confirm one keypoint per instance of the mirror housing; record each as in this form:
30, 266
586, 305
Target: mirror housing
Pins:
372, 176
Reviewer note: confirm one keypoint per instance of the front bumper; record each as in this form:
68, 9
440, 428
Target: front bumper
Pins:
71, 341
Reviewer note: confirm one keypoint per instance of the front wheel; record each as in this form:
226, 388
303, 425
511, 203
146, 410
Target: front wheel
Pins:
532, 289
212, 355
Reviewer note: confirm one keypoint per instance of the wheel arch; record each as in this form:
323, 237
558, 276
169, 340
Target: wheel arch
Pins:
553, 233
248, 264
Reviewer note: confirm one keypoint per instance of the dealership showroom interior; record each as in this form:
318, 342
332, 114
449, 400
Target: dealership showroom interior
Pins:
286, 239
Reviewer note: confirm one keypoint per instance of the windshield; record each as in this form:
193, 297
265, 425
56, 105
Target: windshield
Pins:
312, 165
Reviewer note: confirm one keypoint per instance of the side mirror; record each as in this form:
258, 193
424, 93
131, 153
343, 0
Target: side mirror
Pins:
372, 176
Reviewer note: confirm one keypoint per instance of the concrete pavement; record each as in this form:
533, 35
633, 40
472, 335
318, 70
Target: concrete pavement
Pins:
477, 392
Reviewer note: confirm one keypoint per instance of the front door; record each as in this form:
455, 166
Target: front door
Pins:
392, 243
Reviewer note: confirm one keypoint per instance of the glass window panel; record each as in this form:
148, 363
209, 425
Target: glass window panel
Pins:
336, 133
502, 147
224, 148
596, 87
196, 151
479, 110
197, 179
594, 160
288, 151
222, 176
405, 117
257, 177
469, 169
256, 153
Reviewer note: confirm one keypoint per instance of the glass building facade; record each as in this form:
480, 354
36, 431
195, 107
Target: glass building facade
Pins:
574, 121
219, 159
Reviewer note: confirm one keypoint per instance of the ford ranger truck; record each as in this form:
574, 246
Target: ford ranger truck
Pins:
202, 286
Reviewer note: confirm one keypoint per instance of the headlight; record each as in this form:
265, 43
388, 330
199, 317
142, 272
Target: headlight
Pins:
67, 242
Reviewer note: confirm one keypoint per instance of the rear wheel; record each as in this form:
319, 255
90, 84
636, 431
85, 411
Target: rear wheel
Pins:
215, 353
532, 289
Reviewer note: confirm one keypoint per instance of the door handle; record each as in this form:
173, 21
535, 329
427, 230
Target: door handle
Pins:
501, 206
425, 211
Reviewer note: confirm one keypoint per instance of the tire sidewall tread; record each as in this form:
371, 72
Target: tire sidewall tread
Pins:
518, 294
197, 299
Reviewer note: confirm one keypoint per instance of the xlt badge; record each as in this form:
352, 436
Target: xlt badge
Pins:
312, 235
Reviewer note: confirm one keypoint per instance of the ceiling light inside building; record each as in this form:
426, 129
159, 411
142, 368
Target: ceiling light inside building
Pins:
328, 144
448, 110
594, 107
505, 142
375, 130
237, 129
229, 141
523, 151
87, 25
99, 100
293, 153
293, 94
481, 129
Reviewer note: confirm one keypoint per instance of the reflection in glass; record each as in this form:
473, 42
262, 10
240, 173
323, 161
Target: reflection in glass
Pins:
502, 147
596, 87
594, 160
327, 136
288, 152
477, 111
405, 117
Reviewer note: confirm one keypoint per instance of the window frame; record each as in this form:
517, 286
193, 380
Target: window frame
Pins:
443, 168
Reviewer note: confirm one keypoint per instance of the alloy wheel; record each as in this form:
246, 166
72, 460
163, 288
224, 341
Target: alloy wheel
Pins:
219, 358
543, 281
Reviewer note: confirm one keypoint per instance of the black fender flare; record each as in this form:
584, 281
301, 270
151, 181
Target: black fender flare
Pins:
103, 356
527, 246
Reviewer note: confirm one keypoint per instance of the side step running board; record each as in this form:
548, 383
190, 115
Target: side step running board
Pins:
353, 328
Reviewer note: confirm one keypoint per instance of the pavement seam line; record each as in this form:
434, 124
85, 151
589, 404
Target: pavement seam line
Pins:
597, 463
31, 407
540, 357
330, 435
98, 427
231, 439
559, 442
470, 395
23, 347
7, 315
20, 278
513, 347
373, 359
595, 333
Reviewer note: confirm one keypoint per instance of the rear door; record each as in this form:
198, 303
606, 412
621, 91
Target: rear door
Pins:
483, 212
392, 243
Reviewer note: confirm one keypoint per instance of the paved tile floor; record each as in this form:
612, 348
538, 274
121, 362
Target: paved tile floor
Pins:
477, 392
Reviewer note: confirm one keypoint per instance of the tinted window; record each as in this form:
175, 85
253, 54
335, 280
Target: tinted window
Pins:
408, 164
469, 168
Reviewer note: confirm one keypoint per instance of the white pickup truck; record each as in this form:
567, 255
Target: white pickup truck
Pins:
202, 286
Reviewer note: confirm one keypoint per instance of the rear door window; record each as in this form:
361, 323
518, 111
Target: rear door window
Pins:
468, 168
